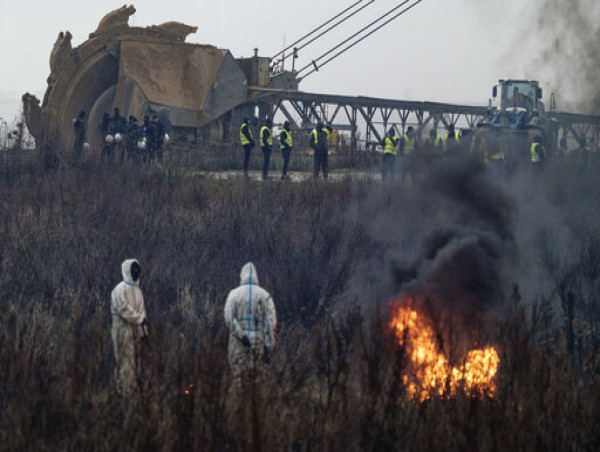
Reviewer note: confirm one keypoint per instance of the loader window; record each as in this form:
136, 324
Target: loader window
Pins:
519, 95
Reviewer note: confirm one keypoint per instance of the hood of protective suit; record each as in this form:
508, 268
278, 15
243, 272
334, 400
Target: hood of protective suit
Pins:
126, 270
248, 274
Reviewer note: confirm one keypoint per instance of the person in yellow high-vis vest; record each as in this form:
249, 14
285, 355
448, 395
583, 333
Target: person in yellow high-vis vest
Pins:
564, 153
538, 152
408, 146
266, 143
431, 152
452, 141
584, 155
247, 142
390, 149
285, 144
319, 139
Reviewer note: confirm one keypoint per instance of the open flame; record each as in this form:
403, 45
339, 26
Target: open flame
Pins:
430, 372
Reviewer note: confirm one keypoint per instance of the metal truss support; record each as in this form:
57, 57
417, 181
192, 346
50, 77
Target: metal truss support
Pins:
368, 119
585, 129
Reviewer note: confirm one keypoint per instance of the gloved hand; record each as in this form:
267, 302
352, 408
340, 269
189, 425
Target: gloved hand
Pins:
145, 331
246, 341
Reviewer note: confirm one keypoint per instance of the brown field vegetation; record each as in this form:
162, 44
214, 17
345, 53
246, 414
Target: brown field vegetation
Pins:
334, 380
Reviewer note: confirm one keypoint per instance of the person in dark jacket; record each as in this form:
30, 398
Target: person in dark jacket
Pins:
131, 138
145, 133
266, 144
157, 137
108, 139
285, 144
318, 141
119, 126
79, 131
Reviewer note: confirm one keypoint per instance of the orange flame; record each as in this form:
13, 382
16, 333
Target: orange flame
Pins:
432, 373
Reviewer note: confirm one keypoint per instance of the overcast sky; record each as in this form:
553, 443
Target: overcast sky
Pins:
442, 50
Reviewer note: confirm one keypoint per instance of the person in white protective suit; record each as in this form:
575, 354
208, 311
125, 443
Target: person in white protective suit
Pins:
128, 326
251, 320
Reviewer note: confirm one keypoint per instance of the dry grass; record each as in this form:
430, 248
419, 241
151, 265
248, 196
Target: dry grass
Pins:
334, 381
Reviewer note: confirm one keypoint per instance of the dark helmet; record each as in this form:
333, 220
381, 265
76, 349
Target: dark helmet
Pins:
246, 119
116, 110
409, 129
537, 139
132, 118
154, 116
319, 125
269, 122
81, 114
286, 124
451, 128
392, 132
105, 116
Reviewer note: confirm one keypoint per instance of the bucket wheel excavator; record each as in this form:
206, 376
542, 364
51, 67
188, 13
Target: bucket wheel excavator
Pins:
141, 71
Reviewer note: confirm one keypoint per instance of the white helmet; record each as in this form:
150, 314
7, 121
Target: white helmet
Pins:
166, 138
86, 146
109, 139
118, 138
141, 144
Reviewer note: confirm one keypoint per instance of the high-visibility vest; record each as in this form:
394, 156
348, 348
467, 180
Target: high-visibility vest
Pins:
537, 152
585, 155
497, 155
243, 139
481, 144
437, 141
390, 145
409, 144
316, 134
269, 141
285, 138
456, 137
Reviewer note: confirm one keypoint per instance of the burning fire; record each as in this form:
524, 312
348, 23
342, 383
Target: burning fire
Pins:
431, 371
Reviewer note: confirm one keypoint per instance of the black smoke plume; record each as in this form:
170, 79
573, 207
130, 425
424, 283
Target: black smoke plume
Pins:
444, 242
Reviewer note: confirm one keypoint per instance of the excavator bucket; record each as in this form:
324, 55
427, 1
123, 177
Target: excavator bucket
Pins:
139, 70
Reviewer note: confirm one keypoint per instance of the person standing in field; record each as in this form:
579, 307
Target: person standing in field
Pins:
247, 142
251, 319
266, 143
79, 131
390, 149
319, 140
129, 326
285, 144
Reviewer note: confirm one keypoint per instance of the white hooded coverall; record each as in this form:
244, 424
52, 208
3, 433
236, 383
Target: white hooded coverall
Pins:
127, 312
249, 312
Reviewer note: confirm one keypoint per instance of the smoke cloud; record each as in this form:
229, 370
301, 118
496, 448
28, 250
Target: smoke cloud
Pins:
459, 242
561, 46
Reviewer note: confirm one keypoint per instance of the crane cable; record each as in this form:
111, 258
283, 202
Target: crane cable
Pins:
316, 29
316, 67
325, 31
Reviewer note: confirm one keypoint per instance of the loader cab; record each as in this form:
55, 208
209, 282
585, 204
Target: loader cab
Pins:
517, 96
